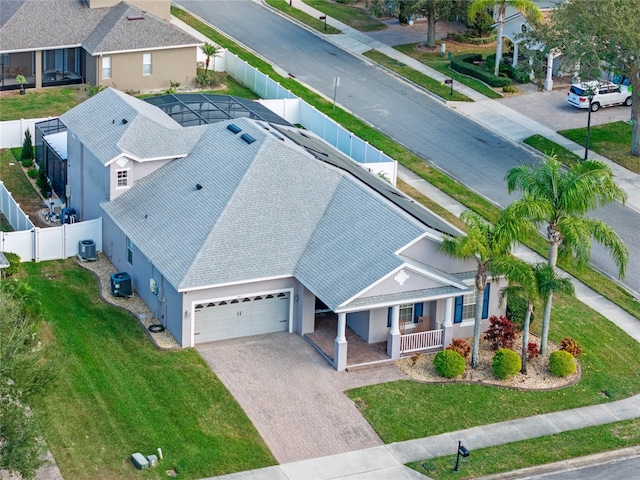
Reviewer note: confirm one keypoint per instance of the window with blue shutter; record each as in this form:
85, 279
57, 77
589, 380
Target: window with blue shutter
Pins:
457, 311
389, 317
485, 305
417, 312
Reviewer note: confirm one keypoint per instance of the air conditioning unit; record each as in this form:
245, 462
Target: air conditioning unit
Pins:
121, 285
87, 250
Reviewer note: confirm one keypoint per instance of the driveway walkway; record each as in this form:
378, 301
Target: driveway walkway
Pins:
293, 396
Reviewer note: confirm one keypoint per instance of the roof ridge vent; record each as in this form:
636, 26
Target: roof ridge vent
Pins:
234, 128
247, 138
135, 17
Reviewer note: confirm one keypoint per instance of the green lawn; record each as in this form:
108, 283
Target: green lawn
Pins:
611, 140
537, 451
405, 410
39, 103
12, 177
441, 63
115, 394
313, 22
351, 15
428, 83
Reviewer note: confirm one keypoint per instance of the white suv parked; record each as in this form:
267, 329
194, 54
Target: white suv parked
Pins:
605, 94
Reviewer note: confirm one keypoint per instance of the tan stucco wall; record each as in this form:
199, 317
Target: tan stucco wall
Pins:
161, 8
178, 65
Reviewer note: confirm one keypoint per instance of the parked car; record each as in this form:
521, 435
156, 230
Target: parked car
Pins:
605, 94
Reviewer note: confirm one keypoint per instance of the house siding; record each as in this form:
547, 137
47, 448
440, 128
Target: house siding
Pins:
175, 64
428, 252
359, 323
137, 170
87, 181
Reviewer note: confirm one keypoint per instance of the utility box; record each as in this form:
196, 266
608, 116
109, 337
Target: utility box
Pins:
139, 461
87, 250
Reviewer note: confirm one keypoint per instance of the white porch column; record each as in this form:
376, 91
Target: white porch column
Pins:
548, 83
393, 340
514, 63
447, 325
340, 344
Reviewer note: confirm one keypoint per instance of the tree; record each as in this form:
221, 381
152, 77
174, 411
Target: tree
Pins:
560, 198
490, 247
27, 149
24, 373
527, 7
599, 37
533, 282
210, 50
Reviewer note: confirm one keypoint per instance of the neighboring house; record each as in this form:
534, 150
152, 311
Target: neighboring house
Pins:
102, 42
245, 227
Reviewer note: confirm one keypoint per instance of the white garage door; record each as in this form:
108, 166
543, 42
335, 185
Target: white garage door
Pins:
241, 317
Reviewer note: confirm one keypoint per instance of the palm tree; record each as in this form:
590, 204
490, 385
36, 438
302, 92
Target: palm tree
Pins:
533, 282
528, 7
560, 198
490, 247
210, 50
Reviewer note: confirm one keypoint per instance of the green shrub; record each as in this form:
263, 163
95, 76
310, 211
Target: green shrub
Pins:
568, 344
506, 363
449, 364
32, 173
26, 158
481, 24
43, 182
562, 363
509, 89
14, 264
464, 38
464, 64
517, 310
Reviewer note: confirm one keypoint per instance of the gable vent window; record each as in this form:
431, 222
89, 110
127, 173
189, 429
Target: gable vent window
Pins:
122, 177
247, 138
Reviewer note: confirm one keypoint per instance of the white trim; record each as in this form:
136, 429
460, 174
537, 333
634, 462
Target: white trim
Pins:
138, 50
142, 160
192, 308
231, 284
374, 306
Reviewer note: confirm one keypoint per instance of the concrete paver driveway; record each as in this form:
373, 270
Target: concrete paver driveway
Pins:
293, 396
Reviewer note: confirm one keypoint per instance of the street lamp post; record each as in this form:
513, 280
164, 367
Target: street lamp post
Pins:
586, 145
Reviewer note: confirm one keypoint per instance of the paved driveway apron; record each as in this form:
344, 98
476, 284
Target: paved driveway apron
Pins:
293, 396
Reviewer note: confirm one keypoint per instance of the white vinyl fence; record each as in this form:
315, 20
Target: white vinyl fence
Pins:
12, 211
51, 243
12, 131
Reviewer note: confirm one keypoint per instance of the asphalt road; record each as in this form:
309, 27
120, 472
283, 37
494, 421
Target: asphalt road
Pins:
468, 152
627, 469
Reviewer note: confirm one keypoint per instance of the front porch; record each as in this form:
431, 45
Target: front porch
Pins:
359, 352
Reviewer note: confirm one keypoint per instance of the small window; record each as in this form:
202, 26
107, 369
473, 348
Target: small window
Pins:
406, 313
122, 177
129, 251
146, 64
469, 306
198, 307
222, 303
106, 68
211, 304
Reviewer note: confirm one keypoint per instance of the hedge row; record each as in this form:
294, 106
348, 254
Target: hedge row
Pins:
462, 38
464, 64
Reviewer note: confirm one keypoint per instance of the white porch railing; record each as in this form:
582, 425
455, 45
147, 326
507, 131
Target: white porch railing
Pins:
414, 342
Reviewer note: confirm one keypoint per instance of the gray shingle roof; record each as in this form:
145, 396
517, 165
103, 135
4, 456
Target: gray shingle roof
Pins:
266, 209
46, 24
146, 133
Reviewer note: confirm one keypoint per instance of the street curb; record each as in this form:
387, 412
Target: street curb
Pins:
565, 465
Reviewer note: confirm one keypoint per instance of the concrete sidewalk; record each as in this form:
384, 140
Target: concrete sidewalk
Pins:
489, 113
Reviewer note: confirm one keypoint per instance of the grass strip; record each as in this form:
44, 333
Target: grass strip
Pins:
552, 149
115, 394
302, 17
611, 140
424, 81
537, 451
405, 410
351, 15
441, 63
